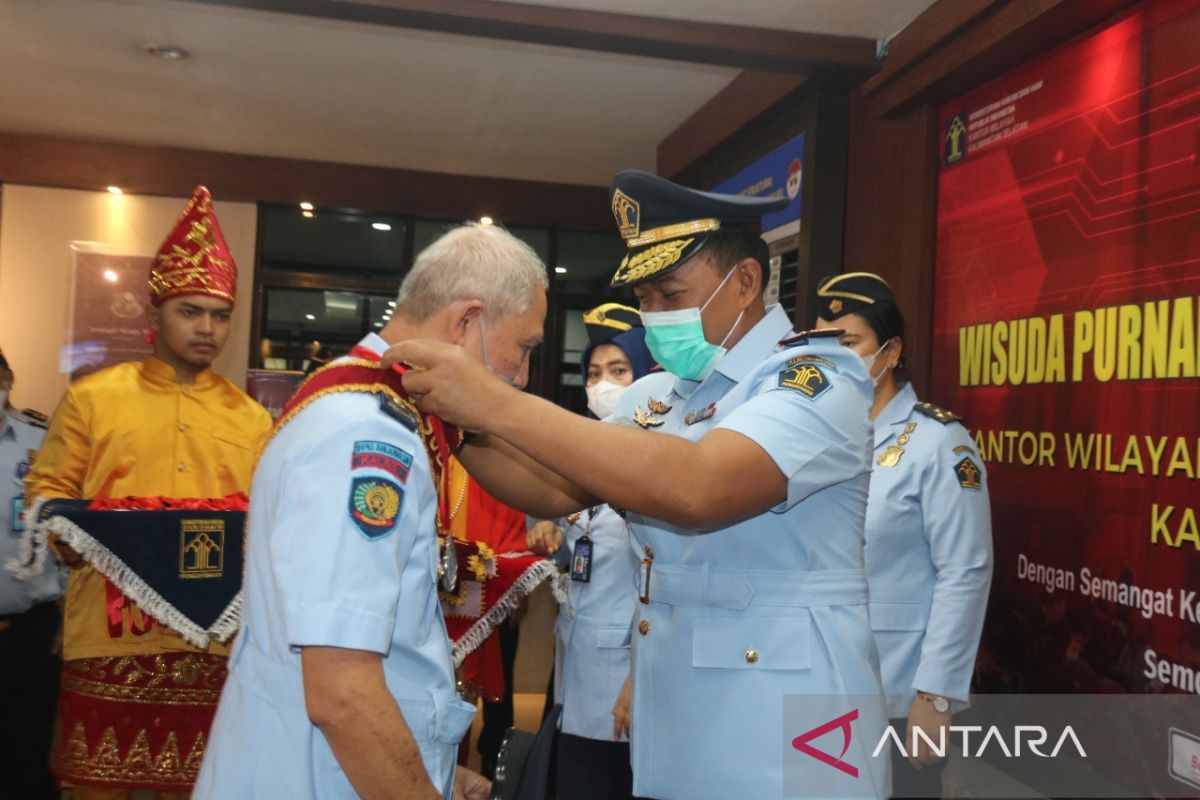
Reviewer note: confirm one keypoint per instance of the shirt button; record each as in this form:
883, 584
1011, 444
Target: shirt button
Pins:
180, 466
751, 656
186, 390
644, 627
182, 427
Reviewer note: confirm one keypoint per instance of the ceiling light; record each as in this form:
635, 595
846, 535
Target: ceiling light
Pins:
378, 324
391, 303
115, 190
486, 220
110, 276
167, 52
306, 206
560, 270
381, 226
306, 214
309, 316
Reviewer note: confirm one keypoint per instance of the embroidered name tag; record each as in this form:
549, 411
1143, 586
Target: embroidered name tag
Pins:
370, 454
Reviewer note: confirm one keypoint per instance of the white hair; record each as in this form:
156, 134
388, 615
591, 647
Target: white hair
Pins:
473, 262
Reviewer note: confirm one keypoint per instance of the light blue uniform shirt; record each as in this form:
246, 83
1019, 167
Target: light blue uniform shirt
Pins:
591, 653
929, 553
740, 616
19, 441
317, 576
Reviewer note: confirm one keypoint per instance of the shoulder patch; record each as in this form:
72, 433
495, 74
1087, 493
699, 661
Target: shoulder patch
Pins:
804, 336
968, 474
808, 358
936, 412
807, 379
35, 418
375, 505
369, 454
399, 412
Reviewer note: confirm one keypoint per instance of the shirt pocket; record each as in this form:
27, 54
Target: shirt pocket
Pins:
609, 637
899, 616
761, 643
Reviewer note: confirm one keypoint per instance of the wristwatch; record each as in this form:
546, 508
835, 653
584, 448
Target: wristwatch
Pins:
939, 703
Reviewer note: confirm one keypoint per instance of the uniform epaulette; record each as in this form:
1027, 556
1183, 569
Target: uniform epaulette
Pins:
936, 412
35, 418
804, 336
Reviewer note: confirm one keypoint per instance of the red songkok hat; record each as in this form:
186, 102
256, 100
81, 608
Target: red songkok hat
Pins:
194, 258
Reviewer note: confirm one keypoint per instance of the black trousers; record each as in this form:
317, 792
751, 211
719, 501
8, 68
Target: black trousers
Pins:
29, 675
591, 769
498, 717
907, 780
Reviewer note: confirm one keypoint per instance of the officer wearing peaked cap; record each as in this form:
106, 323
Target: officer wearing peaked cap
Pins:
747, 519
928, 531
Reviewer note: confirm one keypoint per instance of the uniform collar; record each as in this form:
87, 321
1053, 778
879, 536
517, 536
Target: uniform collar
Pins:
7, 429
375, 343
895, 413
749, 352
160, 372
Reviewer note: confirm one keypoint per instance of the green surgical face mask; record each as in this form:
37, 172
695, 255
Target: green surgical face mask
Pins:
676, 339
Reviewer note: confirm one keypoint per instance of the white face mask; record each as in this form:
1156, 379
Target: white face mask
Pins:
602, 397
869, 363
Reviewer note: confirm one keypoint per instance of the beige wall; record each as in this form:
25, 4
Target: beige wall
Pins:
37, 226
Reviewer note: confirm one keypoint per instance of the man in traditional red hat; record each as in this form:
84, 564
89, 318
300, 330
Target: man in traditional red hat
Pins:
137, 701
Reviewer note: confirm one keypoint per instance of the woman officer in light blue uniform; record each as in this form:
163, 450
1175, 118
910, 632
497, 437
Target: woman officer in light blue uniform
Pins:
597, 591
928, 533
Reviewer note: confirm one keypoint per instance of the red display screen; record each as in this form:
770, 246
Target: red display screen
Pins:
1066, 328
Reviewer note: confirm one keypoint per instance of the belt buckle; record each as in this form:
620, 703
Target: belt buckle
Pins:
647, 562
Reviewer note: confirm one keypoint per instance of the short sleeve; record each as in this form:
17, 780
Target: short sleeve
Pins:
346, 534
815, 439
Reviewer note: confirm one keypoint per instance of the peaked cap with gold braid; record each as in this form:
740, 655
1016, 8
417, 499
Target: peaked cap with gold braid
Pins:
664, 224
839, 295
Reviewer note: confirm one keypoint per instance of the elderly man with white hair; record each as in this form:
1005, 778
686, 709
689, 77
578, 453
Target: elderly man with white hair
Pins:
341, 682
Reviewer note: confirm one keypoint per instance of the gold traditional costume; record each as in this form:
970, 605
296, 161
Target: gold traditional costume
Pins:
137, 700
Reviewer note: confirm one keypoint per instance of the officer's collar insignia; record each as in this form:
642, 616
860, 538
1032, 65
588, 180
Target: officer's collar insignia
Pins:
807, 379
968, 474
657, 406
890, 457
912, 426
701, 414
628, 214
375, 505
902, 439
645, 419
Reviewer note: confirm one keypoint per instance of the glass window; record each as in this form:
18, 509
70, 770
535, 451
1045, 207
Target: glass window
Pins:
303, 325
330, 240
586, 263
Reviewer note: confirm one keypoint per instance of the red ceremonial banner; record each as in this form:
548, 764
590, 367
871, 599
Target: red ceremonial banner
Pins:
1067, 314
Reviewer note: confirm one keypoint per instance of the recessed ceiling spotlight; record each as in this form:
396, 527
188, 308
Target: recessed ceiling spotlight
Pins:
381, 226
309, 317
560, 270
486, 220
306, 206
110, 276
391, 303
115, 190
306, 214
167, 52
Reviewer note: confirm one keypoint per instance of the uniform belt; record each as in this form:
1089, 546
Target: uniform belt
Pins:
706, 585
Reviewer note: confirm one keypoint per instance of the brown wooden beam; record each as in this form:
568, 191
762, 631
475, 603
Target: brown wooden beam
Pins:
169, 171
992, 43
739, 46
930, 30
746, 98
